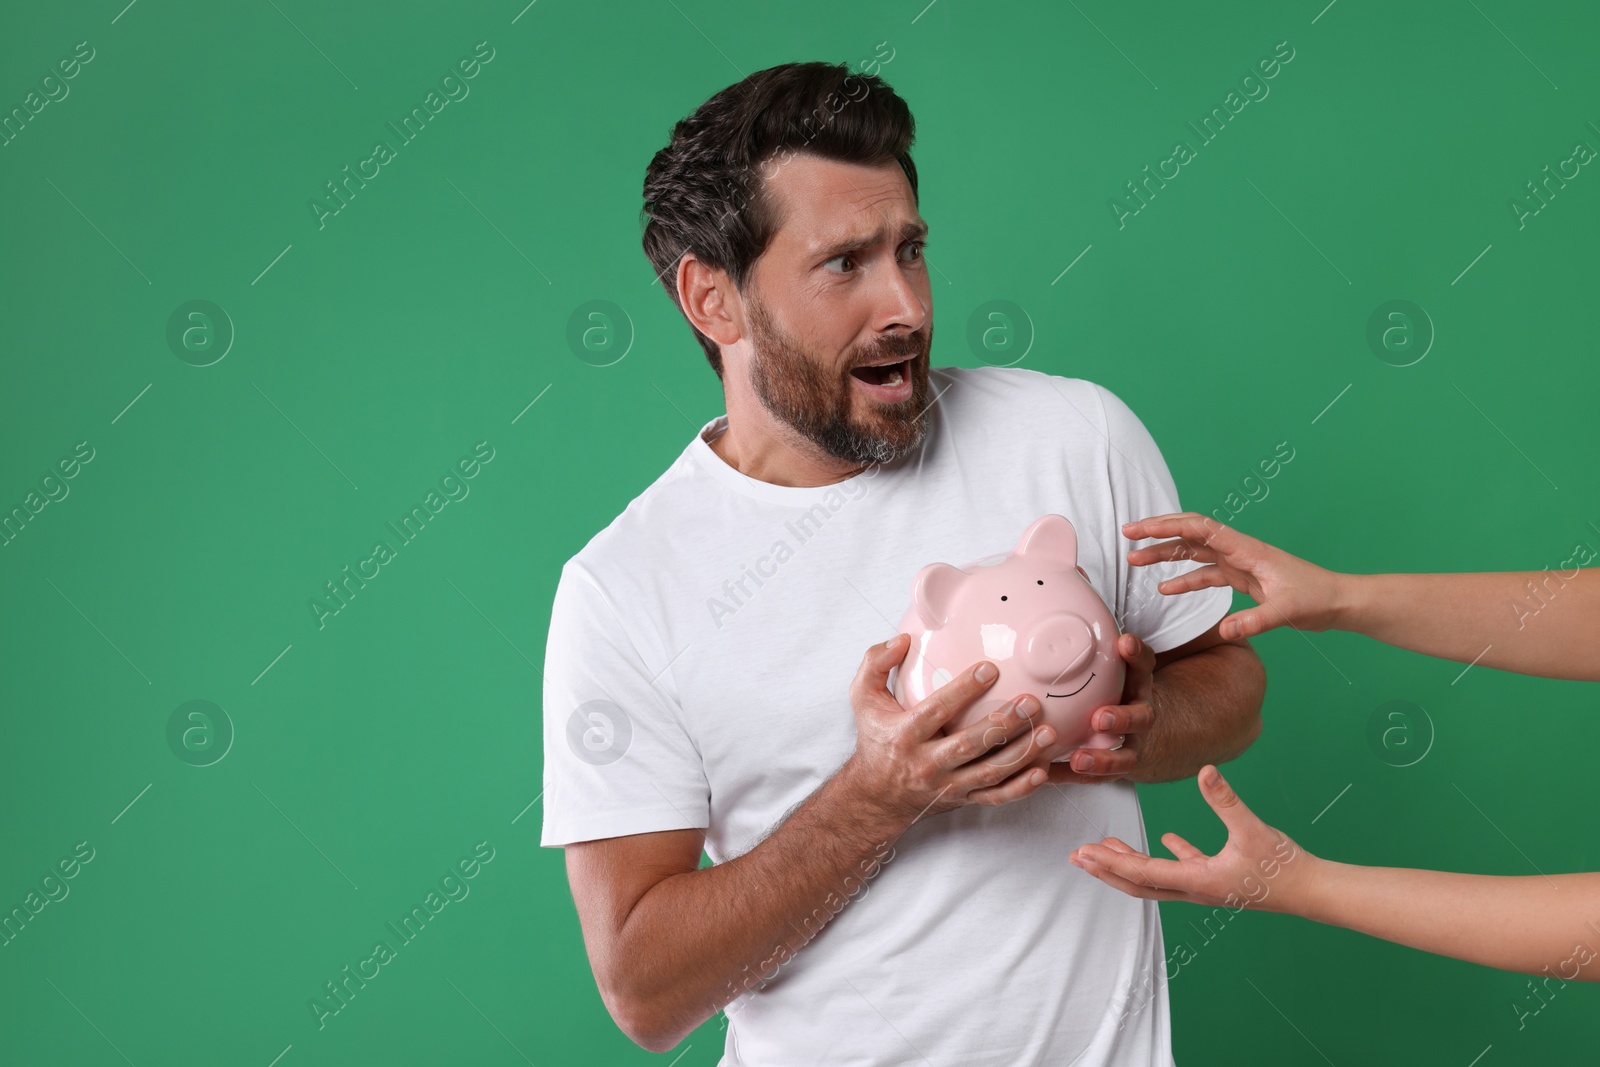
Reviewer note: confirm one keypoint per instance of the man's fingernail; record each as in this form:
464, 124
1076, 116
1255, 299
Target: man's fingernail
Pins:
1106, 721
985, 672
1083, 763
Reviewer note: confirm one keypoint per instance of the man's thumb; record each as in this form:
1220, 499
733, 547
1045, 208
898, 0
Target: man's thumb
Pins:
887, 655
876, 663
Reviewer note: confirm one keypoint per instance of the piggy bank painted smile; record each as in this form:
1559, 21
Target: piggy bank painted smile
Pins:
1035, 616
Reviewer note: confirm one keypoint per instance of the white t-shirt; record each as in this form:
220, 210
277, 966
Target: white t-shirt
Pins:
697, 674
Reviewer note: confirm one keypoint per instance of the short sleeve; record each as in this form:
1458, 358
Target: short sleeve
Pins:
617, 759
1141, 486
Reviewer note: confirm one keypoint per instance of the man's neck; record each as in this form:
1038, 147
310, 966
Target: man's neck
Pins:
765, 455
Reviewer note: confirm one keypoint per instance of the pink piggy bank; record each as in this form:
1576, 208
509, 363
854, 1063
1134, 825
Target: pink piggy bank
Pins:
1031, 612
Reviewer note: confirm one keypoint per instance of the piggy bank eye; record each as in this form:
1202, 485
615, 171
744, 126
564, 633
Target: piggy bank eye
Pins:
1002, 598
1039, 580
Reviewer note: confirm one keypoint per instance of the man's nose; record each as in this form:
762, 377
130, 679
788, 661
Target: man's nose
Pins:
901, 303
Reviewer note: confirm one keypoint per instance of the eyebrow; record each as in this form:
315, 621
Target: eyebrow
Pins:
910, 231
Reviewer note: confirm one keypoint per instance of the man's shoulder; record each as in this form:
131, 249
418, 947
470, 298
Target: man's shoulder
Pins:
989, 386
674, 510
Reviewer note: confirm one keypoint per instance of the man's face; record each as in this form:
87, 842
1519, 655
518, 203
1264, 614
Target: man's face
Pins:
842, 286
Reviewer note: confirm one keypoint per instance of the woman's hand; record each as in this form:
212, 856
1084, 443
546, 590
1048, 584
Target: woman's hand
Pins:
1287, 590
1259, 867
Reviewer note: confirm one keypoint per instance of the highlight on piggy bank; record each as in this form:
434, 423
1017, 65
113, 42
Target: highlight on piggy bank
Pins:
1035, 616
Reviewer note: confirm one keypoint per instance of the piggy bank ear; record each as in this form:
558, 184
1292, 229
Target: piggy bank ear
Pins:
934, 592
1050, 536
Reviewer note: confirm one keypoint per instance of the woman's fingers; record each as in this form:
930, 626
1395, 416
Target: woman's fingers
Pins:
1237, 817
1180, 549
1192, 526
1133, 889
1158, 518
1181, 848
1134, 866
1251, 621
1147, 526
1199, 578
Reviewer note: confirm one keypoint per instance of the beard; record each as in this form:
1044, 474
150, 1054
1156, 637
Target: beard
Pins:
817, 401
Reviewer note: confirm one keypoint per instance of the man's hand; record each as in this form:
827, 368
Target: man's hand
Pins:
903, 768
1259, 867
1133, 717
1288, 590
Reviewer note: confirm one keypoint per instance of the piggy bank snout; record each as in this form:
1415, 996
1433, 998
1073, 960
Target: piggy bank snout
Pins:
1057, 646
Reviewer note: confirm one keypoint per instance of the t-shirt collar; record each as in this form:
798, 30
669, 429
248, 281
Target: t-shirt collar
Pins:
706, 458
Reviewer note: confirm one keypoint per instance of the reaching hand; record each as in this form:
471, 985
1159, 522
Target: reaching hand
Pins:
1257, 860
1287, 589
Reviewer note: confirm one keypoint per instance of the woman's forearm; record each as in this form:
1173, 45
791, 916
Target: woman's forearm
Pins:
1532, 622
1535, 924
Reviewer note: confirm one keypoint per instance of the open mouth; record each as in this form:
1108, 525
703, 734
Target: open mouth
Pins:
890, 374
1076, 691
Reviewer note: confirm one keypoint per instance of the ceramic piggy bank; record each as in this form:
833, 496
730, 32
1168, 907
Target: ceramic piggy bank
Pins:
1035, 616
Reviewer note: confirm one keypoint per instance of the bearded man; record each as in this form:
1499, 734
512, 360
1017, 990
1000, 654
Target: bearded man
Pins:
717, 667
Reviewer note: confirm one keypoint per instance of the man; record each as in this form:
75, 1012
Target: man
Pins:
878, 893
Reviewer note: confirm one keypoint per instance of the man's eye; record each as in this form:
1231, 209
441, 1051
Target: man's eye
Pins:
920, 246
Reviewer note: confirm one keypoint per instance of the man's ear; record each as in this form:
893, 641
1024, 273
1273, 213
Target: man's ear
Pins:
710, 300
933, 591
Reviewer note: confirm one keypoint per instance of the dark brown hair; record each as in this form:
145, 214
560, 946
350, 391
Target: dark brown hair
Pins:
705, 192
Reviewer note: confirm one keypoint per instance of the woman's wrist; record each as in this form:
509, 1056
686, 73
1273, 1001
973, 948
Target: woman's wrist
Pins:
1351, 607
1298, 884
1318, 889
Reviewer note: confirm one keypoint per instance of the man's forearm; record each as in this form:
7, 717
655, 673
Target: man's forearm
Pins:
698, 940
1207, 710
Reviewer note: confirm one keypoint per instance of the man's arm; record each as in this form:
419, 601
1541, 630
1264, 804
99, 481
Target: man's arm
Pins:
1206, 695
1195, 704
670, 944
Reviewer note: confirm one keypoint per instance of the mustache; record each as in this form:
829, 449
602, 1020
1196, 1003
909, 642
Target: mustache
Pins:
911, 346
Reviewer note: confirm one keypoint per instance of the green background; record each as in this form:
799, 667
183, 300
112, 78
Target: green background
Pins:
369, 355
